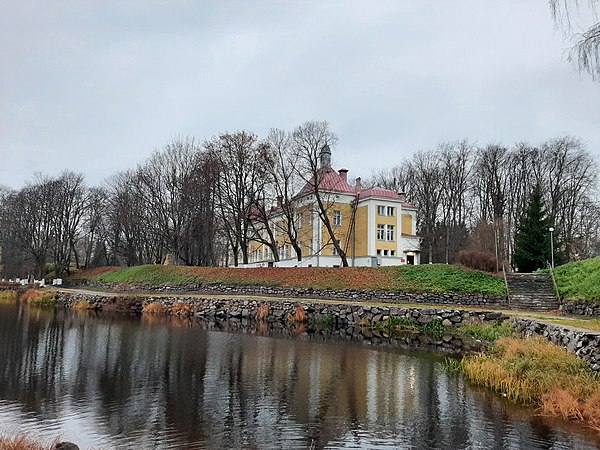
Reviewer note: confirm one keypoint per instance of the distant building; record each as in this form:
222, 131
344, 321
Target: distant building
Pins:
375, 226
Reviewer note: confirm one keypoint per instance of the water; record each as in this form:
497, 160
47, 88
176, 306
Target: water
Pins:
124, 382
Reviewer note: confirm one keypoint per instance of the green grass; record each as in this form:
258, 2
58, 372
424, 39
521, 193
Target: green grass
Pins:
148, 274
487, 331
449, 278
435, 278
579, 280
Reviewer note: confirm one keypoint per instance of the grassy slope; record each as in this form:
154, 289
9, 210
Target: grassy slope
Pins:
426, 278
579, 280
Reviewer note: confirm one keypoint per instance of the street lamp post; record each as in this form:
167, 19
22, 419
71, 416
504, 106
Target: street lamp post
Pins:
551, 230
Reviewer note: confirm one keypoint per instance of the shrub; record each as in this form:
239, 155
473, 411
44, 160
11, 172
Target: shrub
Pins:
154, 308
478, 260
433, 327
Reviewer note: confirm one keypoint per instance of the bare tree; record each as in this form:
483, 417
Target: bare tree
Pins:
311, 141
426, 190
490, 184
283, 171
68, 209
456, 164
242, 160
585, 52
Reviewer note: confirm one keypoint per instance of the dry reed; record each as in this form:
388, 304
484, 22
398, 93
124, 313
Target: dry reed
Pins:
263, 312
181, 309
298, 316
119, 304
8, 296
23, 443
38, 297
154, 308
536, 371
82, 305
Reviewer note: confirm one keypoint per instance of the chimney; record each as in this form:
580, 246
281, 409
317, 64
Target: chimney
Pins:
358, 184
325, 156
344, 174
402, 196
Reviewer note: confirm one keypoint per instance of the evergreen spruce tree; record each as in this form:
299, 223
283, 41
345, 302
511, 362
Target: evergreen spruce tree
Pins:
532, 243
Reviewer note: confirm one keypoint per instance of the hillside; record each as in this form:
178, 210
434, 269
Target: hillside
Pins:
579, 280
426, 278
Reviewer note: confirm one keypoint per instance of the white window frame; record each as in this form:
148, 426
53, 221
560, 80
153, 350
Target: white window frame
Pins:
390, 234
380, 232
337, 218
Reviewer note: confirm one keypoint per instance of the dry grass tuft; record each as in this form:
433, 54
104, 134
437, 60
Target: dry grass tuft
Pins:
562, 403
536, 371
82, 304
154, 308
8, 296
298, 316
119, 304
263, 312
23, 443
181, 309
38, 297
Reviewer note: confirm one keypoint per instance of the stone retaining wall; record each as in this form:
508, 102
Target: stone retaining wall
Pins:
582, 308
325, 294
338, 315
584, 344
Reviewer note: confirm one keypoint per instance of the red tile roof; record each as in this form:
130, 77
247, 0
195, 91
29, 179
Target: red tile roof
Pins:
329, 181
332, 181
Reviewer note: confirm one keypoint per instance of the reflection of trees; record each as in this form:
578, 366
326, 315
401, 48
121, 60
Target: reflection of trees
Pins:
152, 379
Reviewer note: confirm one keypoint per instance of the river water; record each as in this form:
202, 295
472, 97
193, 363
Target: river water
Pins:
113, 381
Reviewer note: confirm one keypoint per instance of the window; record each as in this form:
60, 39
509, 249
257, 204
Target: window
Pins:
385, 232
299, 217
335, 252
337, 218
378, 252
390, 233
380, 232
385, 210
392, 252
385, 253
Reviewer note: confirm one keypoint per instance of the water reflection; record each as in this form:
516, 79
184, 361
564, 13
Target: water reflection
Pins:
112, 381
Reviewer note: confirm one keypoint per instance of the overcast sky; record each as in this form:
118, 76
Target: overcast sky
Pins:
96, 86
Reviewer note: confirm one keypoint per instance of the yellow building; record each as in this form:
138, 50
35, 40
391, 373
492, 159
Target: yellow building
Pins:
374, 227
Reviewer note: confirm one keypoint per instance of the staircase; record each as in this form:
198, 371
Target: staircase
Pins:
531, 291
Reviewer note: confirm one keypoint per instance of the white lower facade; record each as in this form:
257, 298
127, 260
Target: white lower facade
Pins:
408, 253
